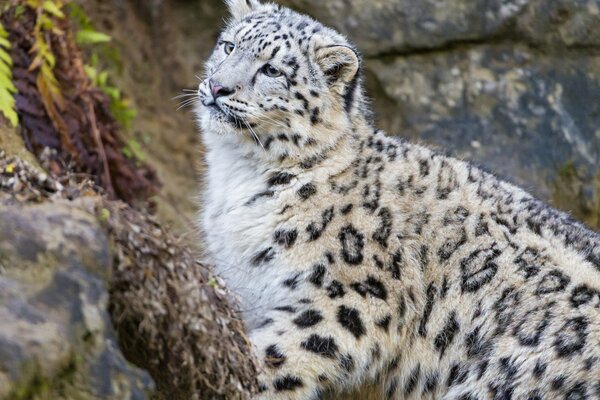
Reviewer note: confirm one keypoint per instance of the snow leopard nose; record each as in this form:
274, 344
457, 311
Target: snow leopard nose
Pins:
219, 90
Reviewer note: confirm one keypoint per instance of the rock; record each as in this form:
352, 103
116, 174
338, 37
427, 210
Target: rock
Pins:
521, 114
570, 23
509, 84
56, 337
386, 27
72, 266
391, 26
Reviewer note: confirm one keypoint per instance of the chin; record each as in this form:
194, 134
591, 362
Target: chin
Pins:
215, 129
209, 121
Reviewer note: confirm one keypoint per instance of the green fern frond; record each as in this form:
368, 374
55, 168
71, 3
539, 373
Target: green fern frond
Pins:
7, 88
44, 60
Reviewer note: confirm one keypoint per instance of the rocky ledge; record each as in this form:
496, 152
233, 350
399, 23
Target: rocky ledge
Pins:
76, 269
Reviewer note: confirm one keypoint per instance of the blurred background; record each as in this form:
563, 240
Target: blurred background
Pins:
513, 85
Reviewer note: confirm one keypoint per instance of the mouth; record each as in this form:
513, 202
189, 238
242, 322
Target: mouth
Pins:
220, 114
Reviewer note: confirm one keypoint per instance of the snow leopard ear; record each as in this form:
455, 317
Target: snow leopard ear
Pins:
240, 8
339, 63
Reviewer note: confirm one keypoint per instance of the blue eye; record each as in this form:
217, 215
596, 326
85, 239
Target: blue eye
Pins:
271, 71
228, 47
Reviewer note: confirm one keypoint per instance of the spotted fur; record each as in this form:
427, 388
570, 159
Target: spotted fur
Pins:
359, 258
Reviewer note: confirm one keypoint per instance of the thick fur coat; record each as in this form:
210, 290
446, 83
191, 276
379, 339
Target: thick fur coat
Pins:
358, 258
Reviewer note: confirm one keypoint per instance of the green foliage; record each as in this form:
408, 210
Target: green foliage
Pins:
104, 215
7, 88
133, 150
87, 36
44, 59
86, 33
91, 37
53, 8
568, 170
19, 10
120, 107
78, 15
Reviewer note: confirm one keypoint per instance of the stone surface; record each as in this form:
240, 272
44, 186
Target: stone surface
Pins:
570, 23
509, 84
521, 114
56, 338
384, 27
390, 26
72, 266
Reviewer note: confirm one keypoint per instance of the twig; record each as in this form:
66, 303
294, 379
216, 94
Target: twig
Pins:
96, 135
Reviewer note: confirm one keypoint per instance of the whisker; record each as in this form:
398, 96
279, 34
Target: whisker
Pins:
191, 99
266, 118
254, 133
187, 103
226, 109
271, 123
183, 95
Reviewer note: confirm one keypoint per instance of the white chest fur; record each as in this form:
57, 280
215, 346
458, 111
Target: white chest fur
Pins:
234, 232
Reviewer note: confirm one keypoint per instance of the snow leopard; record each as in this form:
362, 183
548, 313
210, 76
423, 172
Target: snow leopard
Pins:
359, 258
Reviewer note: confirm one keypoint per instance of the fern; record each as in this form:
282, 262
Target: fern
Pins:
44, 60
7, 88
49, 11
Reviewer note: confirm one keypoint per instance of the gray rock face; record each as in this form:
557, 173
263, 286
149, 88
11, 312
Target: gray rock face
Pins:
56, 339
384, 27
510, 84
570, 23
520, 114
73, 265
393, 26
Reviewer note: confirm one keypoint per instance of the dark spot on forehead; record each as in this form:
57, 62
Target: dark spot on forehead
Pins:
292, 62
275, 51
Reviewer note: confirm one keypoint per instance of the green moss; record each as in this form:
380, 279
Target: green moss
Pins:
12, 143
568, 195
38, 386
41, 387
568, 171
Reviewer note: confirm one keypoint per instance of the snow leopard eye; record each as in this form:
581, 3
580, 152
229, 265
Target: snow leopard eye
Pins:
228, 47
271, 71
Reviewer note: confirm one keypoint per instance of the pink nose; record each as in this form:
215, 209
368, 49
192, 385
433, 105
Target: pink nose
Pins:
218, 90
